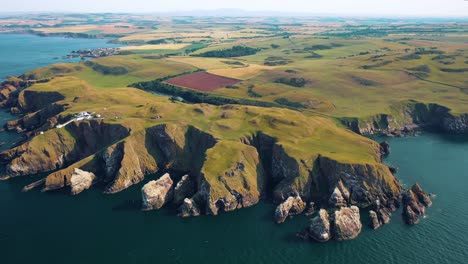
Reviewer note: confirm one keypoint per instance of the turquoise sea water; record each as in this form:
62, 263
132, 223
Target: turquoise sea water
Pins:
20, 53
92, 227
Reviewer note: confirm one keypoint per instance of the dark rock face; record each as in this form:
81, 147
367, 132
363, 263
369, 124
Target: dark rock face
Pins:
292, 206
183, 189
384, 215
456, 124
374, 222
415, 201
360, 184
410, 216
156, 194
319, 229
347, 223
414, 115
336, 199
188, 208
384, 148
310, 209
421, 195
89, 137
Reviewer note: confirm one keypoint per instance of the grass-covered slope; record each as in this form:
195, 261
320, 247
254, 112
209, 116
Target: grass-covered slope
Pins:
223, 148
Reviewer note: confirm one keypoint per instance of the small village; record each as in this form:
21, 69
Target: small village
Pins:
93, 53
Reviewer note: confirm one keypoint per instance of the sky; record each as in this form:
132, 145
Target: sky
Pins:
333, 7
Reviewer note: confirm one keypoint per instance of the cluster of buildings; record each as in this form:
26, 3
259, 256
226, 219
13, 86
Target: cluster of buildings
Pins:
94, 53
79, 117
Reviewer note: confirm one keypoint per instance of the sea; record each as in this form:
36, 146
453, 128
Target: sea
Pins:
92, 227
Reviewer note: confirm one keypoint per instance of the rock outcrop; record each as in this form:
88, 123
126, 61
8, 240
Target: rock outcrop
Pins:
358, 184
237, 184
384, 148
188, 208
81, 180
415, 201
319, 229
423, 197
409, 116
183, 189
156, 194
63, 147
292, 206
374, 221
347, 223
336, 199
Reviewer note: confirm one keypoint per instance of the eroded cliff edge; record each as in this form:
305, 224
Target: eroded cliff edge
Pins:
409, 116
233, 156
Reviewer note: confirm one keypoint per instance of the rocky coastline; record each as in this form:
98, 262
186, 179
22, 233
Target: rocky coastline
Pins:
334, 192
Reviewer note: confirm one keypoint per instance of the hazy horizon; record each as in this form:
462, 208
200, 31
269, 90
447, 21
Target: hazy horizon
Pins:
416, 8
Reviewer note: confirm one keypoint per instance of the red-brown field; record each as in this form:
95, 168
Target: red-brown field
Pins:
202, 81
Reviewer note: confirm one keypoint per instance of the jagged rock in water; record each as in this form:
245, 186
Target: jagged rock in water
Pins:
392, 169
336, 199
421, 195
347, 223
157, 193
410, 216
415, 201
319, 229
184, 188
384, 215
188, 208
310, 209
374, 222
292, 206
81, 180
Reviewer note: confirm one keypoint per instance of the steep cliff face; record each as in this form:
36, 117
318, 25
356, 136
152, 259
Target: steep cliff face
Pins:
31, 101
43, 119
409, 115
10, 89
361, 184
55, 149
232, 177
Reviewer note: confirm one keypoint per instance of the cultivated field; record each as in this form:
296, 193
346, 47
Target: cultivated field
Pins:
202, 81
156, 47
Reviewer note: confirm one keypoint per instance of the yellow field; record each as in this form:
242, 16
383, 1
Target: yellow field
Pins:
104, 29
212, 34
243, 73
203, 63
156, 47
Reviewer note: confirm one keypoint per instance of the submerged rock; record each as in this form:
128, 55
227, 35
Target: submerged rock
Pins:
347, 223
292, 206
81, 180
157, 193
188, 208
319, 229
384, 215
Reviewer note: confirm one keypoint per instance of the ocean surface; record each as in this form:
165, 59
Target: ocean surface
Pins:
21, 52
92, 227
